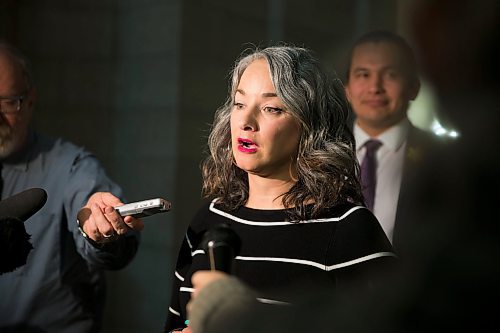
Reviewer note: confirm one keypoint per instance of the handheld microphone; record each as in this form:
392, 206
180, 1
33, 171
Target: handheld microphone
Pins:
221, 244
14, 244
24, 204
14, 240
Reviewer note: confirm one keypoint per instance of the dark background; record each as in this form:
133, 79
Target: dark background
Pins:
137, 83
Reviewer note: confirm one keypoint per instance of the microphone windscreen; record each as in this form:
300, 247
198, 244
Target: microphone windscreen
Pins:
14, 244
24, 204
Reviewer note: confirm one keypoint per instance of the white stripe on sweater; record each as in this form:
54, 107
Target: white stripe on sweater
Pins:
174, 312
271, 301
274, 224
179, 276
186, 289
316, 264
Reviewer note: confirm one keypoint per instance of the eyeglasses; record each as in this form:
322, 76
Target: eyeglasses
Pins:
11, 104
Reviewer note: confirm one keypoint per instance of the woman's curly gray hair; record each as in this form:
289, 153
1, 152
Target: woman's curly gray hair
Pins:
327, 169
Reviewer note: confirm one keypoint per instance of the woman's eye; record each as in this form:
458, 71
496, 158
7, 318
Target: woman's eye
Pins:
238, 106
271, 109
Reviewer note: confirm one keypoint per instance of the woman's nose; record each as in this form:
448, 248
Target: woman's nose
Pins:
248, 120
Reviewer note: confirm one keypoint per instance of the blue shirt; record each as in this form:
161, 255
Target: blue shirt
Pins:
61, 288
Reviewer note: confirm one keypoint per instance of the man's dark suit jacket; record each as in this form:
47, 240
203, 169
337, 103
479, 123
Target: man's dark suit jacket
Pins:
420, 147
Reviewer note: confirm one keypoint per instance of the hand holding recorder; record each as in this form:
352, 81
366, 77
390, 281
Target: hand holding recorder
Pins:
105, 217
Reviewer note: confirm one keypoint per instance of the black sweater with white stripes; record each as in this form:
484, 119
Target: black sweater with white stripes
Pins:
344, 245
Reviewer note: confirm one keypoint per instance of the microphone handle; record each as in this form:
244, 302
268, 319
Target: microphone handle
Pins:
220, 256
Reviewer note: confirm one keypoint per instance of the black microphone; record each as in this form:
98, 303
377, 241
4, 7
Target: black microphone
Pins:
14, 240
14, 244
24, 204
221, 244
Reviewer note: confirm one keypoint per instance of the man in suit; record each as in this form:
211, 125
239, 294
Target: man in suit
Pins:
382, 79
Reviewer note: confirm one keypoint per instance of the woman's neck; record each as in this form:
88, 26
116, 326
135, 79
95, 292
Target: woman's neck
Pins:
265, 193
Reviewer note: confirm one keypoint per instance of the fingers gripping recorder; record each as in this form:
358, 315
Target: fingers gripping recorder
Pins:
221, 244
137, 209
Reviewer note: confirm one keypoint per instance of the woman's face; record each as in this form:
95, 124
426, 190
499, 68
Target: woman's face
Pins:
264, 136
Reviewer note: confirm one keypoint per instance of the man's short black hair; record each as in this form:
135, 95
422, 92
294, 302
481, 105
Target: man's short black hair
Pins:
378, 36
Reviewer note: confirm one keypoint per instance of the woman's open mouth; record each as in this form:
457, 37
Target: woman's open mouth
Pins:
247, 146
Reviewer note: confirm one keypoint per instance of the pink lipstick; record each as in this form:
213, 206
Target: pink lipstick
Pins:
247, 146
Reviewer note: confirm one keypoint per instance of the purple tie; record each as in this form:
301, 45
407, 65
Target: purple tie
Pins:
369, 172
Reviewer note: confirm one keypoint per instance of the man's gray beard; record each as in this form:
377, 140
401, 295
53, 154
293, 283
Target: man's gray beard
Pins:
7, 141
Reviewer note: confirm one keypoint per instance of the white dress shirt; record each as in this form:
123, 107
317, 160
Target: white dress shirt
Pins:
390, 160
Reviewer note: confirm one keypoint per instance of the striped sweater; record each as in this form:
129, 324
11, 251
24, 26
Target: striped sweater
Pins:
345, 244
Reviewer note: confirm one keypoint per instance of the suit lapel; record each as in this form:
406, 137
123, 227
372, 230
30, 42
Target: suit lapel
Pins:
418, 145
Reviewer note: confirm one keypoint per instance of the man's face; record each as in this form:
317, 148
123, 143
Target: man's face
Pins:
14, 126
379, 88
